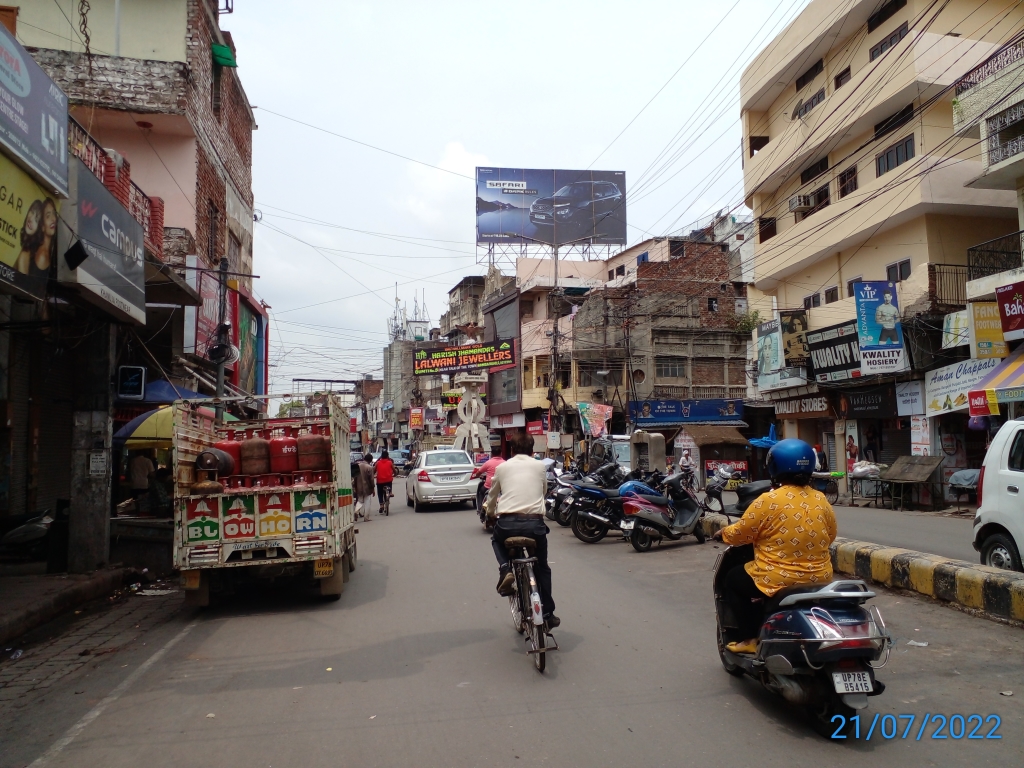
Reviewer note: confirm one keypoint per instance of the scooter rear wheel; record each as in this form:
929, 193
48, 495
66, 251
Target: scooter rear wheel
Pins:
733, 669
641, 541
699, 534
587, 530
822, 711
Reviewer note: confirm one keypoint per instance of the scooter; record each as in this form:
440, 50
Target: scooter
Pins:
816, 646
650, 517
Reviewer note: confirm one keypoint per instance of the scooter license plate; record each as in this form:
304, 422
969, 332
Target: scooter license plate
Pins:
627, 525
851, 682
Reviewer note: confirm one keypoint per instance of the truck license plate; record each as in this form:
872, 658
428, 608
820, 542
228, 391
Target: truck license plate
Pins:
852, 682
190, 579
324, 567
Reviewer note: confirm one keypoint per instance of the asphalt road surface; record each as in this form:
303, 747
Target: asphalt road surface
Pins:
936, 533
418, 665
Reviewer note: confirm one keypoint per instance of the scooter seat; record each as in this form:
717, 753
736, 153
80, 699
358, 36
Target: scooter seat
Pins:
771, 604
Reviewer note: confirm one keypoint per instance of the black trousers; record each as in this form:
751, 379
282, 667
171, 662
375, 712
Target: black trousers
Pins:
746, 601
537, 530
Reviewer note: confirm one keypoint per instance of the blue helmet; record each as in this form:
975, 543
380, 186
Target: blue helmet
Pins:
791, 461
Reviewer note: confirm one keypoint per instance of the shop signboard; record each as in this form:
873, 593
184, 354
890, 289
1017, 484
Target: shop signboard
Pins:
416, 418
470, 357
33, 115
450, 400
794, 336
867, 403
1010, 299
654, 412
711, 466
248, 326
835, 353
947, 388
879, 329
910, 398
508, 421
101, 248
530, 205
986, 330
535, 427
809, 407
28, 224
772, 372
956, 329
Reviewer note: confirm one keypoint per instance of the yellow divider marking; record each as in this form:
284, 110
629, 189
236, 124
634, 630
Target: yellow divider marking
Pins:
969, 588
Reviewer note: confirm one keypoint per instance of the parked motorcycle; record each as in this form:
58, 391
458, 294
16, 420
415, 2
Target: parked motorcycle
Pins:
649, 516
596, 503
30, 540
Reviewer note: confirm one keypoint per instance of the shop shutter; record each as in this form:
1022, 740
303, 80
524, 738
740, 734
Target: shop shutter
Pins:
895, 443
55, 423
18, 383
830, 448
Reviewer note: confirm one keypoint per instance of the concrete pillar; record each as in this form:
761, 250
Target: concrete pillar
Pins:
91, 455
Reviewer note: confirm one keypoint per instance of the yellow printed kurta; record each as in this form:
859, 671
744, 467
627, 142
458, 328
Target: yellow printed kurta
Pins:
791, 529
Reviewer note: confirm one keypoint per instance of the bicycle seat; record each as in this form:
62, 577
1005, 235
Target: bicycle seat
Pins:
521, 542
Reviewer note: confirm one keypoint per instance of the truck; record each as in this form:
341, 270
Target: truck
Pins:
261, 528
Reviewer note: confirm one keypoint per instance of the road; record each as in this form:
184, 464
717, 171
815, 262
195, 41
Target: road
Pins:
418, 665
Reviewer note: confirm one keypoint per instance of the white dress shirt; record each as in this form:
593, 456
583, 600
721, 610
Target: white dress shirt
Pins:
518, 487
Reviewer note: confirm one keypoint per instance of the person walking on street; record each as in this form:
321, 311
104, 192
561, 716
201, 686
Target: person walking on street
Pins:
363, 483
140, 470
384, 474
516, 499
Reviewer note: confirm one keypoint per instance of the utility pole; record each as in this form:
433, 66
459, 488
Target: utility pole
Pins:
222, 336
553, 407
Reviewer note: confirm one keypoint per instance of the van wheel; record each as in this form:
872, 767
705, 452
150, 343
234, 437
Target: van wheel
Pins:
999, 551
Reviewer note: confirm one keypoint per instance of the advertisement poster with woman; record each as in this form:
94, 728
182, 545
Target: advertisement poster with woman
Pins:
28, 231
794, 336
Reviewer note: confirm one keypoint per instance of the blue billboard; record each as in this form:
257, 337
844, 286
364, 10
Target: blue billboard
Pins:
654, 412
879, 330
524, 205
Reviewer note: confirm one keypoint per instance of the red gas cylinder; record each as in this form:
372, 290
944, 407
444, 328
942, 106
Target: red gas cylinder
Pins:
284, 452
255, 452
311, 449
231, 446
325, 434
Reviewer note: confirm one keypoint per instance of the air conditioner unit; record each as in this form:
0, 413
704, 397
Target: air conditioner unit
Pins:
800, 203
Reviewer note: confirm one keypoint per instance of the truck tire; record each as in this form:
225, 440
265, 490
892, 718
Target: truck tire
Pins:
352, 557
199, 598
332, 587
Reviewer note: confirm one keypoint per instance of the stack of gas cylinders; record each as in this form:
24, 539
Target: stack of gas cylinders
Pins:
270, 456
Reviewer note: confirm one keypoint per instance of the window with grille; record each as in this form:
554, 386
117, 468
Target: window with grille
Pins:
832, 294
895, 156
806, 106
885, 13
670, 368
814, 171
894, 273
848, 181
819, 199
842, 78
816, 69
890, 41
766, 229
814, 300
849, 286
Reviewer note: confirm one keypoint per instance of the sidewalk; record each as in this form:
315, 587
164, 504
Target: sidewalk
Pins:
27, 601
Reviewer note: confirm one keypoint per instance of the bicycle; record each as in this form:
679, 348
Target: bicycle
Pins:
532, 618
387, 502
830, 487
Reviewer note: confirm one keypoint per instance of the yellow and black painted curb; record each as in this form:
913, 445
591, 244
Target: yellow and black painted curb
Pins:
994, 591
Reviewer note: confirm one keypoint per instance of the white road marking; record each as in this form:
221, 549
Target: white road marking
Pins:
73, 732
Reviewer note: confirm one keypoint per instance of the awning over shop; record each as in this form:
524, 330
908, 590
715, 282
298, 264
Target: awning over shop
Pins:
1005, 384
715, 435
165, 286
153, 429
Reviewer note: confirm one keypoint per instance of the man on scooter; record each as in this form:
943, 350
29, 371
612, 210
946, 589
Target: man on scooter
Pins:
791, 528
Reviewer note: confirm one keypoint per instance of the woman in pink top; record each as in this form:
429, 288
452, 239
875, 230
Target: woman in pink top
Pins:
486, 471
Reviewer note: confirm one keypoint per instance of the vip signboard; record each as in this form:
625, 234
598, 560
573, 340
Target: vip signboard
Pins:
879, 329
1010, 299
101, 249
471, 357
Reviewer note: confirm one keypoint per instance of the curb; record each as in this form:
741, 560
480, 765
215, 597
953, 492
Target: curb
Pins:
994, 591
99, 584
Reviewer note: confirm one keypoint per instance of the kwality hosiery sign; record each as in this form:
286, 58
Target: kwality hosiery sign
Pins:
100, 248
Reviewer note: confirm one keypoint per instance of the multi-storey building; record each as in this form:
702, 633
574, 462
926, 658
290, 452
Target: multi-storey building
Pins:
464, 315
854, 173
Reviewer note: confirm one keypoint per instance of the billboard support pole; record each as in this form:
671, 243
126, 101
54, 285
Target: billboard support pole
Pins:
222, 336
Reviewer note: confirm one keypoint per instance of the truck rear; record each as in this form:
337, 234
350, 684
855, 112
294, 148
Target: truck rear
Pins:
246, 526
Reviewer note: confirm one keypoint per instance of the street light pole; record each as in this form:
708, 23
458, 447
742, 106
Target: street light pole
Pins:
222, 339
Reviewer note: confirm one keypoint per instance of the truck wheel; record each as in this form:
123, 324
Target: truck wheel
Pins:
999, 551
352, 557
199, 598
332, 587
345, 569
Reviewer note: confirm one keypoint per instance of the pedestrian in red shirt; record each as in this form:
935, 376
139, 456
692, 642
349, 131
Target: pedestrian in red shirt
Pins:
384, 474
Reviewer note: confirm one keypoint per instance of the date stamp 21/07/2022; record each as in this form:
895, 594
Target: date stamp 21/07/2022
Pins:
929, 727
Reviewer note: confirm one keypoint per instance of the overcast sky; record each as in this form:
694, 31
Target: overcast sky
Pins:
457, 85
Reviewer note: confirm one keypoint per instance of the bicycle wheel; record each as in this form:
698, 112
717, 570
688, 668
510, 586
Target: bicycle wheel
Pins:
832, 491
540, 659
516, 605
387, 504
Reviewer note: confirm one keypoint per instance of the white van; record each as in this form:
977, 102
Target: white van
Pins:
999, 522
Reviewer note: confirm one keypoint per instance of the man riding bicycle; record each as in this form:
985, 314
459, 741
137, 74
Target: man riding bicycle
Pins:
384, 474
516, 499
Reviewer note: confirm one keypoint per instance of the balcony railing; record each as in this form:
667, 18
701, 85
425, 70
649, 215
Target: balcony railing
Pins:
950, 283
994, 256
998, 152
1000, 60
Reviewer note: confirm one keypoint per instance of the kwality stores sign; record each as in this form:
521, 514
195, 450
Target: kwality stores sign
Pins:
100, 247
471, 357
810, 407
33, 115
1010, 299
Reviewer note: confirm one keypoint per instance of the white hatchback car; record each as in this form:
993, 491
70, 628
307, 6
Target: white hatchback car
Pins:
999, 522
439, 477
